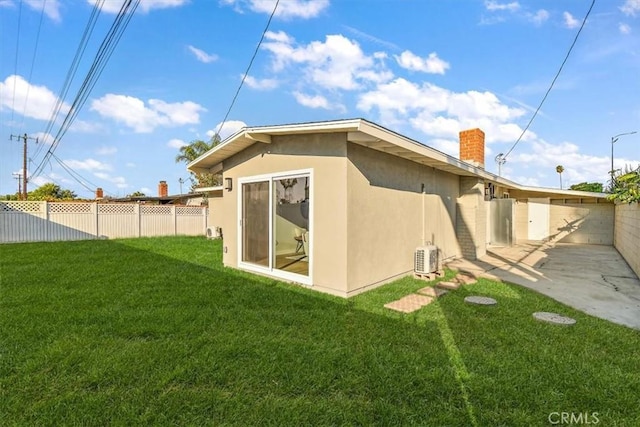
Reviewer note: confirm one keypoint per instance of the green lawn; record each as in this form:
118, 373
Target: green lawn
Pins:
155, 331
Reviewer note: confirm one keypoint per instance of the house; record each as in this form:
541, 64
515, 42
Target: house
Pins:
195, 198
341, 206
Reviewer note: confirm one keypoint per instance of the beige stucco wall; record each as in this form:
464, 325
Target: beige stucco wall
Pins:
388, 216
627, 234
215, 212
326, 155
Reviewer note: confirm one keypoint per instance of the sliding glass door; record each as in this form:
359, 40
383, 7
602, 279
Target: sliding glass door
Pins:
275, 226
255, 223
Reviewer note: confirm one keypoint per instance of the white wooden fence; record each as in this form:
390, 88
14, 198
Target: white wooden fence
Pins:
51, 221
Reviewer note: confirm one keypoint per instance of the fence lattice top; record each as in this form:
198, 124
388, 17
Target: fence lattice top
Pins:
189, 210
22, 206
109, 209
156, 210
70, 208
116, 209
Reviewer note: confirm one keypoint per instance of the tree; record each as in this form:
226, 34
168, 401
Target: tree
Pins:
626, 187
137, 194
560, 169
50, 192
594, 187
192, 151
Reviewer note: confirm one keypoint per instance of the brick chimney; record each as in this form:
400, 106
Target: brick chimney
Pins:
99, 193
163, 189
472, 147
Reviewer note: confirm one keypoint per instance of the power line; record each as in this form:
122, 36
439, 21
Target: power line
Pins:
76, 176
73, 68
33, 61
584, 21
100, 60
246, 73
15, 63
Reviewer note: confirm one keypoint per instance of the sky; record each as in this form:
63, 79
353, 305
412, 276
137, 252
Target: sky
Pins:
426, 69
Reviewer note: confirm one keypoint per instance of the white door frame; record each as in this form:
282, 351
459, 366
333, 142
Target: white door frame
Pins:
271, 270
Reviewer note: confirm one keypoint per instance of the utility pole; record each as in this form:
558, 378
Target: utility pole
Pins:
500, 160
25, 180
18, 177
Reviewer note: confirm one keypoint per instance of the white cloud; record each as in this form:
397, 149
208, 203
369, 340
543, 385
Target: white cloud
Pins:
41, 180
569, 21
178, 113
142, 118
493, 6
369, 37
130, 165
447, 146
229, 128
336, 63
39, 104
84, 126
500, 11
106, 151
119, 181
631, 7
540, 17
176, 143
201, 55
260, 84
51, 8
525, 180
317, 101
279, 36
286, 9
431, 64
441, 113
111, 6
88, 164
624, 28
43, 138
579, 167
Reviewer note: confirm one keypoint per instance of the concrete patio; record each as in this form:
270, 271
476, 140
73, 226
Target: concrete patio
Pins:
592, 278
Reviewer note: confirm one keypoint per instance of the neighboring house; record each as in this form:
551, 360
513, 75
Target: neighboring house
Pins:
342, 205
163, 198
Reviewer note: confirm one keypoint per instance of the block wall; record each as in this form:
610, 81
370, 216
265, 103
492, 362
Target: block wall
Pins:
627, 234
471, 218
587, 223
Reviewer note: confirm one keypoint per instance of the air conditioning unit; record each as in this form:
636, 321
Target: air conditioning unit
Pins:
214, 232
426, 259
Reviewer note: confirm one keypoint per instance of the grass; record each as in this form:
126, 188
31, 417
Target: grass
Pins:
155, 331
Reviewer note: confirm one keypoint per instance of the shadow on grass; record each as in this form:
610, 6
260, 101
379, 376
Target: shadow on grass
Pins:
514, 370
156, 331
129, 332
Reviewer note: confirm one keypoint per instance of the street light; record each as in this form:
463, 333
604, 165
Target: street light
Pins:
613, 141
